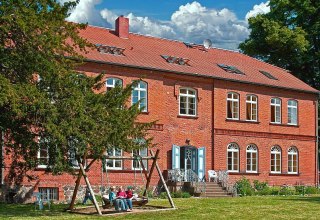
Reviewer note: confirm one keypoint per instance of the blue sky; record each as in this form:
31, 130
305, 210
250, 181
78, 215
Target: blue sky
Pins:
163, 9
224, 22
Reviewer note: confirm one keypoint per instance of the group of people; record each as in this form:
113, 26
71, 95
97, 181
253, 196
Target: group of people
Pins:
122, 200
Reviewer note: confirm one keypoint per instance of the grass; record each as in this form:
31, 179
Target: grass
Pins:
268, 207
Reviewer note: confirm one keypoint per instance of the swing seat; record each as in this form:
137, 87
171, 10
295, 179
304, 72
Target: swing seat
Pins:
135, 202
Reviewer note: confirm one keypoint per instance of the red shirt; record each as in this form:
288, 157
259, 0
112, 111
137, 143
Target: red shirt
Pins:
129, 194
122, 194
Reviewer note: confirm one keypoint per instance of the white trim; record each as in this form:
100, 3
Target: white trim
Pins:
114, 160
233, 100
293, 107
187, 95
233, 148
276, 150
140, 168
276, 105
251, 151
291, 153
139, 90
252, 103
114, 82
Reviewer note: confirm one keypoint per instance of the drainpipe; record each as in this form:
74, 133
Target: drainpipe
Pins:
317, 142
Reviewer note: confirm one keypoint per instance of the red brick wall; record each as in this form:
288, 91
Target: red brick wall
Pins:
264, 134
210, 128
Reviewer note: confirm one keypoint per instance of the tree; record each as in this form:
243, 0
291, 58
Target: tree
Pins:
44, 101
288, 36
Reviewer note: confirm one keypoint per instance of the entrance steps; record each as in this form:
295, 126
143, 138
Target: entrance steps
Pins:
214, 190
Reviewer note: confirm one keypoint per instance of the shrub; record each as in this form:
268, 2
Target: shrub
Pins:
244, 187
163, 195
300, 190
259, 186
287, 190
311, 190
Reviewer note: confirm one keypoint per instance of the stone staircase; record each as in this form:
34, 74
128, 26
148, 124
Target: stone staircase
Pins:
214, 190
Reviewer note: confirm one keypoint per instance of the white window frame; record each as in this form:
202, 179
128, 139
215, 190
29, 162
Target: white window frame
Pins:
114, 82
143, 161
139, 90
113, 167
252, 103
251, 149
273, 102
291, 152
233, 100
187, 96
39, 154
294, 109
46, 192
233, 148
275, 150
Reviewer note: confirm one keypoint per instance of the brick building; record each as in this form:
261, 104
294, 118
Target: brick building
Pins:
215, 110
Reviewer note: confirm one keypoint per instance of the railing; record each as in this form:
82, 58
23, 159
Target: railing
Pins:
188, 175
223, 180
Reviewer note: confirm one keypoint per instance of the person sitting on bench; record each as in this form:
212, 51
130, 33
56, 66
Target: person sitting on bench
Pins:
121, 199
129, 197
112, 198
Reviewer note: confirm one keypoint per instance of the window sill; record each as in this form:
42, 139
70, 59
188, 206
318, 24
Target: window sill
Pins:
283, 125
243, 173
144, 113
188, 116
284, 174
242, 121
127, 171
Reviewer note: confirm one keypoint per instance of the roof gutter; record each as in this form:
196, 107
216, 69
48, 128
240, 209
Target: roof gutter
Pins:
196, 75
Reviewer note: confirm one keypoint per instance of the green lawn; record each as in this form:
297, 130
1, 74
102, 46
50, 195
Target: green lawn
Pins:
273, 207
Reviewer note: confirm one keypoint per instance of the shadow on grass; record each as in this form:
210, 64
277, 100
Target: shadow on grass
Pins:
313, 199
28, 210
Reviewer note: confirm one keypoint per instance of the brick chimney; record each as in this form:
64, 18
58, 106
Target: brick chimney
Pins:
122, 27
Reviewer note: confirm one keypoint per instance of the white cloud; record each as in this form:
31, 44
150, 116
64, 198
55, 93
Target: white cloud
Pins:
262, 8
192, 22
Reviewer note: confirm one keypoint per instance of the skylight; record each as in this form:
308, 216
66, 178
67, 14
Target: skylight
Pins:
230, 69
268, 75
176, 60
195, 46
110, 49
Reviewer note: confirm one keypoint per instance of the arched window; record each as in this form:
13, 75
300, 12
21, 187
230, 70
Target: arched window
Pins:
252, 158
252, 107
112, 82
187, 101
140, 93
292, 112
293, 160
275, 110
233, 105
233, 157
275, 159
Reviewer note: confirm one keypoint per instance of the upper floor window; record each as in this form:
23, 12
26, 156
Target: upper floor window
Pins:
114, 163
140, 93
233, 157
43, 153
233, 105
292, 112
292, 160
187, 101
252, 158
136, 164
112, 82
275, 110
252, 107
275, 159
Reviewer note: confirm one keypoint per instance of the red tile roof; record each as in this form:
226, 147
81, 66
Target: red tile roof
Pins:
145, 52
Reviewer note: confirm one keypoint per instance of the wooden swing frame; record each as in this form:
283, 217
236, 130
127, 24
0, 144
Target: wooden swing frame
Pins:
148, 175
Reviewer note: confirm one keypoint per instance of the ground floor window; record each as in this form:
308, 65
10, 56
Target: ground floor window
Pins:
113, 163
48, 193
275, 159
136, 163
233, 157
293, 160
252, 158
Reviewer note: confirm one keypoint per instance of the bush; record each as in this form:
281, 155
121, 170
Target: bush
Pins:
244, 187
163, 195
300, 190
287, 190
311, 190
178, 194
259, 186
